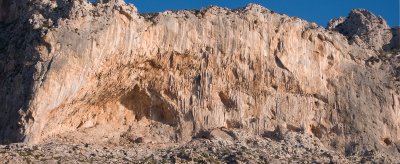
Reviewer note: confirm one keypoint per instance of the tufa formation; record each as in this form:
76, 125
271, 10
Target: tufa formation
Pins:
76, 71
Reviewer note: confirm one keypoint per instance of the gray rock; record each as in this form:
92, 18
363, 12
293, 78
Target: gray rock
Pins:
363, 28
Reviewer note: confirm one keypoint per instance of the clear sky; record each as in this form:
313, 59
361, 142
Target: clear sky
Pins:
319, 11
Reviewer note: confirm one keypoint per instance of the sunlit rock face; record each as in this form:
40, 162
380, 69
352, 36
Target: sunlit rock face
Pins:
100, 72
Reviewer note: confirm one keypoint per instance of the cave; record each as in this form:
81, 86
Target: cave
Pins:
150, 105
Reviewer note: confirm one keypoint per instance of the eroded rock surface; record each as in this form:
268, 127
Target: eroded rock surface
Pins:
74, 71
364, 29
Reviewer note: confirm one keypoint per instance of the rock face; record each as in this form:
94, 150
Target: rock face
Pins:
100, 72
364, 29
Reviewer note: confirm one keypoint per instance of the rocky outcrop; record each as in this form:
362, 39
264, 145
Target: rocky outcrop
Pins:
100, 72
364, 29
395, 42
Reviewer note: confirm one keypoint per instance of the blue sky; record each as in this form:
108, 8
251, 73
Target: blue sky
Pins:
319, 11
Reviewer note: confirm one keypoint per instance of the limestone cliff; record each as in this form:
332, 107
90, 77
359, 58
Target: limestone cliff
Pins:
101, 72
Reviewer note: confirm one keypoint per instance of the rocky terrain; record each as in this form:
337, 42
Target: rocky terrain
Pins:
218, 147
78, 77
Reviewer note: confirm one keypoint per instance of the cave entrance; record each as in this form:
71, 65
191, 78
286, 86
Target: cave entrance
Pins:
150, 105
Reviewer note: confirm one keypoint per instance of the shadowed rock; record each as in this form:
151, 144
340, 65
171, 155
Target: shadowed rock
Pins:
363, 28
